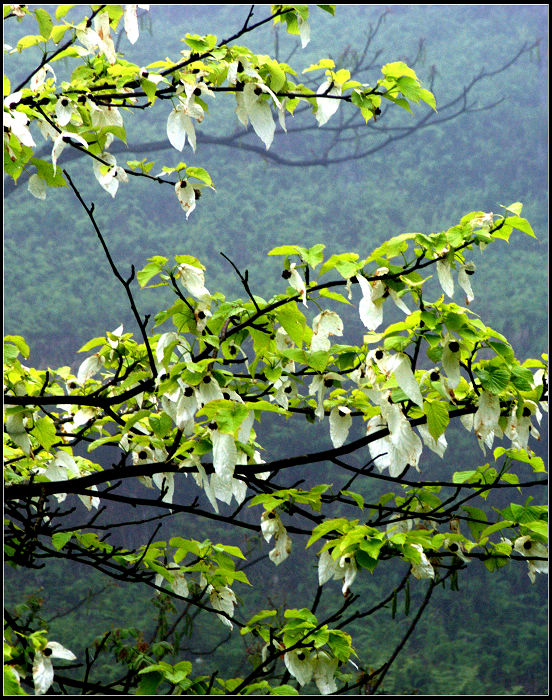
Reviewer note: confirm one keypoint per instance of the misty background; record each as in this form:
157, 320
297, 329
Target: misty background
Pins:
59, 292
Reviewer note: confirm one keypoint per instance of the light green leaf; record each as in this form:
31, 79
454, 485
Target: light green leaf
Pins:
437, 417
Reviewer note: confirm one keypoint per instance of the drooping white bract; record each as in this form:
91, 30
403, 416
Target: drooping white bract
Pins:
38, 79
165, 482
61, 468
186, 196
89, 368
225, 454
193, 278
318, 387
531, 548
327, 107
90, 501
253, 107
304, 30
208, 390
422, 569
16, 122
130, 18
37, 186
450, 359
15, 427
457, 548
179, 583
342, 568
43, 671
438, 446
464, 280
109, 178
103, 31
340, 424
61, 141
222, 598
296, 281
370, 307
283, 390
201, 478
380, 448
325, 324
485, 421
519, 428
180, 124
324, 668
399, 365
444, 273
103, 116
272, 526
299, 664
401, 447
64, 110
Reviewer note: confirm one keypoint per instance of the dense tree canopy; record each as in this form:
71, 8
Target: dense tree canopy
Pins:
310, 412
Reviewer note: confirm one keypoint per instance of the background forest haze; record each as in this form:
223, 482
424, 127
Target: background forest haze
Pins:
351, 190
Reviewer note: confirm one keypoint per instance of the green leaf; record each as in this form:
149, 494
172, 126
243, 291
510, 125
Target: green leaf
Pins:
150, 270
199, 174
522, 378
493, 379
334, 295
19, 343
45, 432
60, 539
521, 224
62, 10
357, 498
45, 23
437, 417
149, 682
292, 321
285, 250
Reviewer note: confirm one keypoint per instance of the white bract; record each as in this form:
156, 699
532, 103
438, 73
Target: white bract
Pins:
370, 307
109, 175
343, 568
186, 196
324, 668
193, 278
464, 280
89, 368
296, 281
325, 324
253, 107
43, 671
444, 273
398, 449
16, 122
180, 124
60, 142
485, 421
531, 548
300, 665
130, 18
327, 107
423, 568
340, 424
450, 359
37, 81
272, 526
